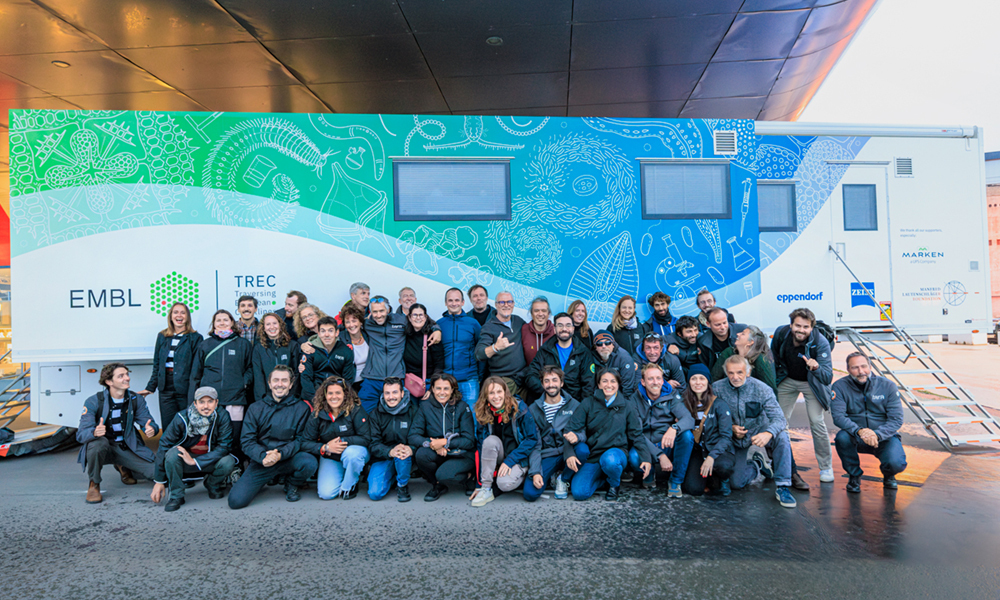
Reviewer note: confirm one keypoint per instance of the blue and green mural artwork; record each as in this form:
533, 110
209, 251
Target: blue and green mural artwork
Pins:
576, 227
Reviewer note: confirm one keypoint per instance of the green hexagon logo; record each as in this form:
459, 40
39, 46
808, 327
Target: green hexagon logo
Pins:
171, 288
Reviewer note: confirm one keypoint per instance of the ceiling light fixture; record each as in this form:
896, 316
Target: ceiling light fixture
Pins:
61, 64
494, 40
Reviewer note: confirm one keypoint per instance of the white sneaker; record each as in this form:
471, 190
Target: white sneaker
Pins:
826, 475
562, 489
482, 496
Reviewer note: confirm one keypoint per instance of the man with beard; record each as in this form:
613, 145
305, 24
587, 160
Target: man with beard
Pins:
662, 322
500, 344
608, 356
574, 360
720, 335
652, 352
552, 413
684, 343
706, 302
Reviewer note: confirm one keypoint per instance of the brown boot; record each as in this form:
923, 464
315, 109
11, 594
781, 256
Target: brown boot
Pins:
127, 477
94, 494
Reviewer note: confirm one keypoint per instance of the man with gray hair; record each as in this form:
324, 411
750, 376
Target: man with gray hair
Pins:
407, 298
360, 292
758, 424
869, 413
500, 343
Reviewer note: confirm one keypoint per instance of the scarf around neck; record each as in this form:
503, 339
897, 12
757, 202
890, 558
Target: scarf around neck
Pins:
197, 423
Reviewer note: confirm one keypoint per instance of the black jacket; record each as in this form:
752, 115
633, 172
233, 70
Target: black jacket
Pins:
703, 324
509, 362
604, 427
669, 363
226, 365
630, 339
453, 421
659, 415
289, 322
270, 425
413, 354
688, 354
816, 347
717, 433
705, 338
551, 441
320, 429
621, 362
338, 362
219, 438
184, 355
578, 378
265, 359
390, 430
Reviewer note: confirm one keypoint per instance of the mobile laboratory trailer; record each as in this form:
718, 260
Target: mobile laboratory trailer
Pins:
115, 215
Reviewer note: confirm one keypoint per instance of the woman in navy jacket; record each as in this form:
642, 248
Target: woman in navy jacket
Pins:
173, 356
444, 437
506, 435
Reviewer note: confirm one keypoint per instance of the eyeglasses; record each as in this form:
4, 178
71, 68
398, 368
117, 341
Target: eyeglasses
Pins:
603, 343
417, 316
505, 303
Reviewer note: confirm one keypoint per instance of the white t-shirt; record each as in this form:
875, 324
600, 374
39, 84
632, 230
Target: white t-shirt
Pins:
360, 359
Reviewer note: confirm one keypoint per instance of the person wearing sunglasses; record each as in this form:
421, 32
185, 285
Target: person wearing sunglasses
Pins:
500, 344
609, 357
391, 453
387, 342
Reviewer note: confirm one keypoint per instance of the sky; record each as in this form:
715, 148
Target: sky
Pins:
920, 62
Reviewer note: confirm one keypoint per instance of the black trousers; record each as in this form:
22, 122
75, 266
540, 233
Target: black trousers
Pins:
299, 469
694, 484
171, 403
443, 469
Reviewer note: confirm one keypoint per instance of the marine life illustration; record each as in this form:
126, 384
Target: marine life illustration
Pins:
710, 229
418, 129
474, 129
522, 130
92, 170
328, 130
683, 138
608, 273
353, 212
423, 245
525, 253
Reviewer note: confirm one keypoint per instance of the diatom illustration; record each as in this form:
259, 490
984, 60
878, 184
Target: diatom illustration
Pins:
610, 272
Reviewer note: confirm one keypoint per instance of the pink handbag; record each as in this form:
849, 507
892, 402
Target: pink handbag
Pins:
417, 386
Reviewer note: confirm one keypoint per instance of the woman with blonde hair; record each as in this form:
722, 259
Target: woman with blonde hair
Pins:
626, 327
173, 357
338, 434
505, 431
306, 321
582, 331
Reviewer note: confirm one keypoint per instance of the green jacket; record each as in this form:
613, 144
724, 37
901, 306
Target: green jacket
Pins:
763, 369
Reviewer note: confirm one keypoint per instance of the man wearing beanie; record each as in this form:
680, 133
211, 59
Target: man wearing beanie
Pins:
195, 444
608, 355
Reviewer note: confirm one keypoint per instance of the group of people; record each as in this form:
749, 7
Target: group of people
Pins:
484, 402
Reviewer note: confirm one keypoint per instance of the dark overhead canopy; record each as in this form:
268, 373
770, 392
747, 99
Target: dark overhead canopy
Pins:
760, 59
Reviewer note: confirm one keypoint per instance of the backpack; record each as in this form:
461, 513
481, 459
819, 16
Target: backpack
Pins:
827, 332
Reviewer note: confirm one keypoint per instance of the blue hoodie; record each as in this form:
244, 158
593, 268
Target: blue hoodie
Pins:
459, 336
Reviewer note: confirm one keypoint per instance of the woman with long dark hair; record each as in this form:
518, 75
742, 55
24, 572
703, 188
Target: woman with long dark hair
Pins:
338, 434
712, 458
506, 435
444, 436
751, 344
420, 358
273, 347
173, 357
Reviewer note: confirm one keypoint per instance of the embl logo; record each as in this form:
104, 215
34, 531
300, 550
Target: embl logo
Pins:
859, 297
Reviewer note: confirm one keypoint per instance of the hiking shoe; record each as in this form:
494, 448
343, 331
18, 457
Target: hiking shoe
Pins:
482, 497
562, 489
435, 492
854, 484
349, 494
173, 504
94, 494
292, 493
826, 476
216, 494
403, 493
889, 482
674, 490
784, 497
762, 467
234, 476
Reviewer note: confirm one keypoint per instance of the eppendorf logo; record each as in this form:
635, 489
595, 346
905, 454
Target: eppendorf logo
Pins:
167, 290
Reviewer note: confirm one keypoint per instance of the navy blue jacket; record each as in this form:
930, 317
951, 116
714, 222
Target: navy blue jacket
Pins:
219, 439
270, 425
183, 361
459, 336
321, 364
525, 436
875, 405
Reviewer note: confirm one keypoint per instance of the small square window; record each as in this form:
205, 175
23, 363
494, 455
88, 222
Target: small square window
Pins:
860, 208
776, 206
685, 190
451, 190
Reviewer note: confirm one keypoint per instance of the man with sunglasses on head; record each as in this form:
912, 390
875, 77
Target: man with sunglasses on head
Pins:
500, 344
651, 351
386, 340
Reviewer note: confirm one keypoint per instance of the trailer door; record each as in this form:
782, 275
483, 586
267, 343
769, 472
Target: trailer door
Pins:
861, 235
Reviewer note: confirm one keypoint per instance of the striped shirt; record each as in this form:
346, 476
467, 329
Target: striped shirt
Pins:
552, 409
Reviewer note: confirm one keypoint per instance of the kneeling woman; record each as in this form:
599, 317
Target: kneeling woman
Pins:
444, 436
607, 423
712, 458
505, 431
338, 434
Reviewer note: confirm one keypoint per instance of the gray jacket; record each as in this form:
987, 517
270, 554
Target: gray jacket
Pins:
875, 405
136, 415
753, 406
816, 347
509, 362
385, 347
658, 415
551, 442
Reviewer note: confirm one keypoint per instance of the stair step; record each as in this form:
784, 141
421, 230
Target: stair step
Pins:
935, 387
937, 403
974, 439
963, 420
916, 371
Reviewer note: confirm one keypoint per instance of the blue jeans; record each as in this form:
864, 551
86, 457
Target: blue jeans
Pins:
371, 391
550, 465
781, 462
889, 453
681, 449
337, 476
381, 474
592, 475
470, 391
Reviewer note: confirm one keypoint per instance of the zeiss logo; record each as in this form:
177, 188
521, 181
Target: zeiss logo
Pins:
859, 297
785, 298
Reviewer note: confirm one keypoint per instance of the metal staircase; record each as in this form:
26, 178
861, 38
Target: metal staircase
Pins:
951, 415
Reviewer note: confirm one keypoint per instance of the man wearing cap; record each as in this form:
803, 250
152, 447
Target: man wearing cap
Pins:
608, 355
195, 444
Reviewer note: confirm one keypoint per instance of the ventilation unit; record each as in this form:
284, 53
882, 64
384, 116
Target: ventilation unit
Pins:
904, 167
725, 142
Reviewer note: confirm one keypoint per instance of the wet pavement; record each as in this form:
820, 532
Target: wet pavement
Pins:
937, 536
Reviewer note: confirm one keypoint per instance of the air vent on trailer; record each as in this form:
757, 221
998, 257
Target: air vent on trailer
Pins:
904, 167
725, 142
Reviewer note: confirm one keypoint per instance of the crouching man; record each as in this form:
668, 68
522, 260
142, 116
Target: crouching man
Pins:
195, 444
757, 421
108, 431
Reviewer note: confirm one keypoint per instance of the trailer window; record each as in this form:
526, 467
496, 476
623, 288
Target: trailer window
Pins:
776, 206
860, 210
451, 190
685, 190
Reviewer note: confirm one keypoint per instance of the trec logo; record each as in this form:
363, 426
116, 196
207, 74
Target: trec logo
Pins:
171, 288
785, 298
